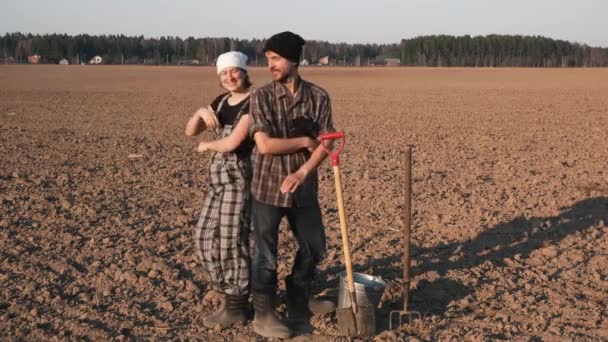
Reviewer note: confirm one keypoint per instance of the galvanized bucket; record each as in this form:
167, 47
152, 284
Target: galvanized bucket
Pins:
368, 290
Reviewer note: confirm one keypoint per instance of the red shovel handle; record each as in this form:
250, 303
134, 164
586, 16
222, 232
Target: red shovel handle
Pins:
335, 155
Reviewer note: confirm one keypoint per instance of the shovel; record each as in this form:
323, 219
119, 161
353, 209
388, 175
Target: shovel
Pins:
354, 320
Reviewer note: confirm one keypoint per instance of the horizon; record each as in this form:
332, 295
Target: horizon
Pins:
381, 22
316, 40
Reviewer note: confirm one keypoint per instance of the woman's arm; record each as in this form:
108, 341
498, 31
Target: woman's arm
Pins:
195, 126
240, 133
231, 142
203, 119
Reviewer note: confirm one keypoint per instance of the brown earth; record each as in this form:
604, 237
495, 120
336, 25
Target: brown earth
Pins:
100, 189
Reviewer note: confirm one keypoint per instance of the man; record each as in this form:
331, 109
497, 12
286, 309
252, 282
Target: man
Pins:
284, 184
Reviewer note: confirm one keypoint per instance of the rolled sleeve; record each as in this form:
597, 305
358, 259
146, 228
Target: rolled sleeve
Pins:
326, 124
259, 110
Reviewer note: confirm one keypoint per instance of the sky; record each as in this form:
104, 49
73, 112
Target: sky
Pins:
369, 21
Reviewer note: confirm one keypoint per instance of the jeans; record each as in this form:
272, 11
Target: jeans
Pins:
307, 228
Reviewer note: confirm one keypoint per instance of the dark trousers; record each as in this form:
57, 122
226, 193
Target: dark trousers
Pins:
307, 228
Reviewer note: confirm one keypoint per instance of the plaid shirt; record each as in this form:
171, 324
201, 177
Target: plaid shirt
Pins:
280, 115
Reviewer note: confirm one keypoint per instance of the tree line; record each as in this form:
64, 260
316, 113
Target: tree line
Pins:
436, 50
500, 51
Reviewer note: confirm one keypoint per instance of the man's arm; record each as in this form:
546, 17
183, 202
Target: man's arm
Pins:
293, 181
261, 130
268, 145
231, 142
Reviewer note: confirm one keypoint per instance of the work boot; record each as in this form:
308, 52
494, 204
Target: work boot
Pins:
300, 303
233, 311
320, 306
265, 322
298, 315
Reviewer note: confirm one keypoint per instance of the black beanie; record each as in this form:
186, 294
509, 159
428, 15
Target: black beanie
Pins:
286, 44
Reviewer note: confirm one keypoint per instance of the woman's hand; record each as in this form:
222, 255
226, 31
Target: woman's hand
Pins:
203, 146
208, 117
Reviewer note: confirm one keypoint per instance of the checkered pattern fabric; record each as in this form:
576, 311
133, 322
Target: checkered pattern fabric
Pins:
277, 113
222, 233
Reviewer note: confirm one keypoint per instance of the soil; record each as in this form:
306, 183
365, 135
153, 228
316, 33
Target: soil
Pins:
100, 190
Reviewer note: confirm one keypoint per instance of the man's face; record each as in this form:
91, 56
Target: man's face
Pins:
280, 68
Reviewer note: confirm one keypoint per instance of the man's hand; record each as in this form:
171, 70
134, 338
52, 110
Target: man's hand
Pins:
293, 181
208, 117
203, 146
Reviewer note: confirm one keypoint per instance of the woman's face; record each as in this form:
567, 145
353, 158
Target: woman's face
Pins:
232, 79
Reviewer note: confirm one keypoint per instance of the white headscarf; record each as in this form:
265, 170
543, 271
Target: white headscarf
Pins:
231, 59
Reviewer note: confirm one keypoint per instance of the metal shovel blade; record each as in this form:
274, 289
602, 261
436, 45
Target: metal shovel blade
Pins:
363, 323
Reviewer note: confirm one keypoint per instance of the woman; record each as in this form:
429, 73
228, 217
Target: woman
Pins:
222, 232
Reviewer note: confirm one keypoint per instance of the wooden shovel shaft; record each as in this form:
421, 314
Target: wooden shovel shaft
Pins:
407, 225
345, 241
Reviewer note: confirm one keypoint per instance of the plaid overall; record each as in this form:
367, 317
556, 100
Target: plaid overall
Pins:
221, 235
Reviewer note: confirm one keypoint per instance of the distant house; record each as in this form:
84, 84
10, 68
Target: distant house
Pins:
96, 60
324, 60
33, 59
64, 62
393, 62
379, 60
304, 62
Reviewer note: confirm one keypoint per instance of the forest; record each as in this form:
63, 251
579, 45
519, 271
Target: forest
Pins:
431, 51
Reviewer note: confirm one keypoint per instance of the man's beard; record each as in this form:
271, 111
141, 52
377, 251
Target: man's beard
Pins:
282, 77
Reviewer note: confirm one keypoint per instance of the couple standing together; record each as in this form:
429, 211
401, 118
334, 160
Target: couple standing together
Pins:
263, 168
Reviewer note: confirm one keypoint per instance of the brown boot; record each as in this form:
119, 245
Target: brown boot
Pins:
320, 306
300, 303
266, 322
233, 311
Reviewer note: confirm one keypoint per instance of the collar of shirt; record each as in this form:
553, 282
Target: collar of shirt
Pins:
282, 91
